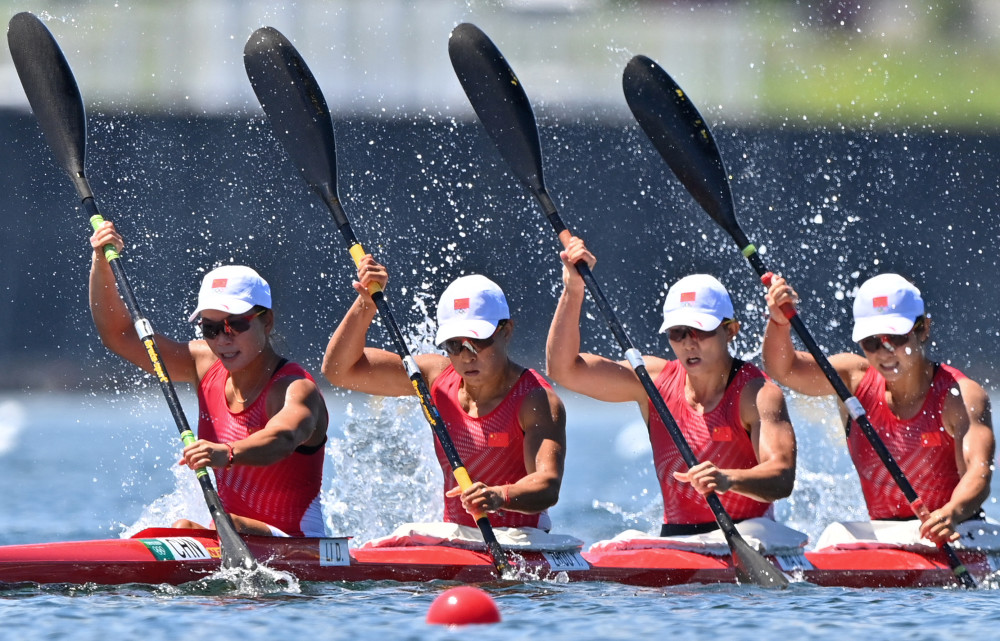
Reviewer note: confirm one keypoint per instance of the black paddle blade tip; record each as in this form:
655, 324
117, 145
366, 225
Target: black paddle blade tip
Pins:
52, 92
752, 567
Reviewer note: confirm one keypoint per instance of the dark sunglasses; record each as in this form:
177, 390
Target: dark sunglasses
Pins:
454, 346
871, 344
679, 333
231, 326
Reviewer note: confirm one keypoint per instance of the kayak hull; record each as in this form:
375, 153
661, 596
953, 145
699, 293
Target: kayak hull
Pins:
172, 556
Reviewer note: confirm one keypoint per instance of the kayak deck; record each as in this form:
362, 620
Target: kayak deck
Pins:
172, 556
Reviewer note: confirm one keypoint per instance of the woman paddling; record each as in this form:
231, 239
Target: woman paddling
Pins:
734, 419
262, 420
934, 420
507, 424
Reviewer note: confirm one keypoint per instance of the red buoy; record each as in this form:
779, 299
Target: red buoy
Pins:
462, 606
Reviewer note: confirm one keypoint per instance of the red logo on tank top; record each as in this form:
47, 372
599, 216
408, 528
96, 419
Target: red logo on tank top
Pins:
931, 439
498, 439
461, 303
722, 433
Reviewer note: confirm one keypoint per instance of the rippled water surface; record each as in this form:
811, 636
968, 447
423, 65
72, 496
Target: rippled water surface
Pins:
81, 467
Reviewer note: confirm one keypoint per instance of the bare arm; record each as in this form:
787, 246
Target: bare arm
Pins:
543, 419
298, 416
114, 325
967, 417
349, 364
794, 369
588, 374
763, 412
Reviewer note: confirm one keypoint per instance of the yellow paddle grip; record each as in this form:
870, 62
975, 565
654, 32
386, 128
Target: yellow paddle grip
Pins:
462, 476
357, 253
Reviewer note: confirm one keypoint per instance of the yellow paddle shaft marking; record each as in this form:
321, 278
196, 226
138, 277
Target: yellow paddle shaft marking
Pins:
749, 250
109, 250
155, 360
357, 253
423, 402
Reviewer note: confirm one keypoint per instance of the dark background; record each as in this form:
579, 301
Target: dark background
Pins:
431, 198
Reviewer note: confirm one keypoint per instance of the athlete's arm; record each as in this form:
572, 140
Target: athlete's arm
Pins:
763, 412
297, 417
967, 417
588, 374
113, 323
543, 419
795, 369
348, 363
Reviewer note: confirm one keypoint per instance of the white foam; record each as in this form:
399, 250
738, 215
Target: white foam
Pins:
13, 418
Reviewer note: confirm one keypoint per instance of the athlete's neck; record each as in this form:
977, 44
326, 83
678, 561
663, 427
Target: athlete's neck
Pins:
249, 382
706, 386
906, 394
483, 398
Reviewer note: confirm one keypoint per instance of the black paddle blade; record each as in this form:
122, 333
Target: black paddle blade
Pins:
752, 567
499, 100
291, 98
51, 89
682, 137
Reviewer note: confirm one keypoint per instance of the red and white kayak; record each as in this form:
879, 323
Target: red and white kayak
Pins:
173, 556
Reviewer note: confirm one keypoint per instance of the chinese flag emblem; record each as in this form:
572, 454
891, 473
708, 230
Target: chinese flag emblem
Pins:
880, 301
687, 297
219, 283
461, 303
931, 439
498, 439
722, 433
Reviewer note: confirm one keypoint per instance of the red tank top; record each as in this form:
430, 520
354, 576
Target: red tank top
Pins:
923, 448
491, 447
278, 494
717, 436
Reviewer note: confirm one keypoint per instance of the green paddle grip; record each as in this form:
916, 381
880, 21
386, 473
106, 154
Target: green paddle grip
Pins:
187, 436
109, 250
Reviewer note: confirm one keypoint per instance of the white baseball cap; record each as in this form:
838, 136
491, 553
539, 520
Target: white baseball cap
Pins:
886, 304
232, 288
698, 301
471, 307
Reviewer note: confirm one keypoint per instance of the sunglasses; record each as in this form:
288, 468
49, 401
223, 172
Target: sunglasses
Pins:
231, 326
871, 344
679, 333
454, 346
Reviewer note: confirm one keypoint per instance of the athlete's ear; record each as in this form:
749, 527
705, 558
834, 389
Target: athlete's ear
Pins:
732, 329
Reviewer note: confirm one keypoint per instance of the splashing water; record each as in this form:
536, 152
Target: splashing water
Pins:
184, 502
384, 470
